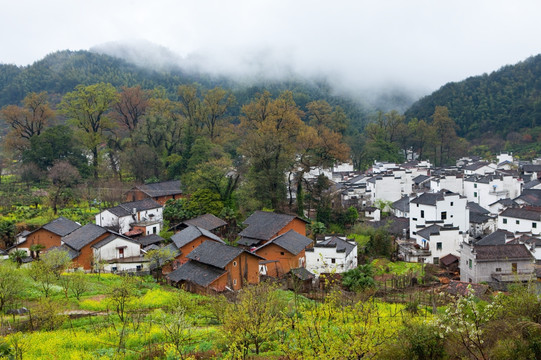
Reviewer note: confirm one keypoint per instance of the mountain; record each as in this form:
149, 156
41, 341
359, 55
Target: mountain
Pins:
507, 100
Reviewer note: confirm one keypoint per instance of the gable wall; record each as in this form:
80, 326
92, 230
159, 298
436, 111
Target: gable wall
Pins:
43, 237
286, 262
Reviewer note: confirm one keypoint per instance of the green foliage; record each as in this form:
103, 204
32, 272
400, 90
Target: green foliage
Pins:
11, 284
417, 340
8, 231
359, 279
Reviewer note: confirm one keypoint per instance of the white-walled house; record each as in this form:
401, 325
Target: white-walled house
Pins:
488, 189
121, 253
440, 240
452, 183
334, 254
521, 220
479, 168
444, 208
122, 217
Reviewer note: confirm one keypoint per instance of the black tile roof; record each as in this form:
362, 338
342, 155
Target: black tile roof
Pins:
341, 245
291, 241
110, 238
420, 179
83, 236
449, 259
476, 166
263, 225
498, 237
215, 254
428, 231
502, 252
126, 209
531, 168
531, 184
530, 196
476, 208
208, 222
197, 273
394, 225
403, 204
191, 233
61, 226
163, 188
522, 213
302, 274
427, 199
505, 202
150, 239
477, 218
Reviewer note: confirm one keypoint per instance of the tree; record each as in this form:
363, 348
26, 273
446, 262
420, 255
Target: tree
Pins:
44, 276
269, 128
8, 231
131, 107
177, 329
360, 278
87, 109
158, 258
11, 284
29, 120
253, 318
120, 295
445, 129
216, 104
17, 256
56, 260
63, 177
54, 144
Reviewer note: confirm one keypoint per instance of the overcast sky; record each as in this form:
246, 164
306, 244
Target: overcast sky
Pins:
359, 44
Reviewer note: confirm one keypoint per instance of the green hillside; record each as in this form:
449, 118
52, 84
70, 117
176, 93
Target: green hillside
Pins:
506, 100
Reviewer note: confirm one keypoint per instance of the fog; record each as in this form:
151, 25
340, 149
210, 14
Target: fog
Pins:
361, 47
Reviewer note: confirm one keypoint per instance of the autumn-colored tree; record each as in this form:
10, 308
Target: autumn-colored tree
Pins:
28, 120
131, 107
88, 109
216, 103
269, 129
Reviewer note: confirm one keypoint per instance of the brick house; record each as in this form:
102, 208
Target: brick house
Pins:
49, 235
214, 266
159, 192
189, 239
264, 226
286, 252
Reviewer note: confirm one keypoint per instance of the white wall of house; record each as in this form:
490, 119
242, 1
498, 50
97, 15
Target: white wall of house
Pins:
391, 187
446, 242
486, 169
131, 266
451, 183
487, 227
516, 225
108, 219
321, 260
485, 194
112, 250
451, 210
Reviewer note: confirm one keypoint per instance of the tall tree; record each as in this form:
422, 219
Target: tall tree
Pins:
63, 177
270, 127
88, 109
131, 107
216, 103
445, 129
29, 120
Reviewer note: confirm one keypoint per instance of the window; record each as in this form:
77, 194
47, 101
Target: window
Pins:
282, 253
475, 186
422, 214
234, 263
514, 267
444, 215
333, 260
517, 222
414, 219
114, 268
438, 246
234, 281
504, 220
121, 253
139, 267
470, 263
475, 194
534, 225
452, 203
498, 269
154, 230
436, 260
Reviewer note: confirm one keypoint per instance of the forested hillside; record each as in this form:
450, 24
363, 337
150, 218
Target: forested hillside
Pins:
505, 101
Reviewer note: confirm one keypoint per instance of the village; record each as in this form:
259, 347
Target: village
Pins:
479, 220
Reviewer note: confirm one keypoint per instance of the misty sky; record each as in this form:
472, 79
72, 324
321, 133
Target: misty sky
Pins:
358, 44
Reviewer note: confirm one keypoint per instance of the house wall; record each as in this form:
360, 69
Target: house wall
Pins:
86, 254
189, 247
320, 260
486, 194
108, 219
451, 183
391, 187
481, 271
457, 214
43, 237
244, 269
110, 251
450, 240
287, 261
515, 225
135, 195
296, 225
